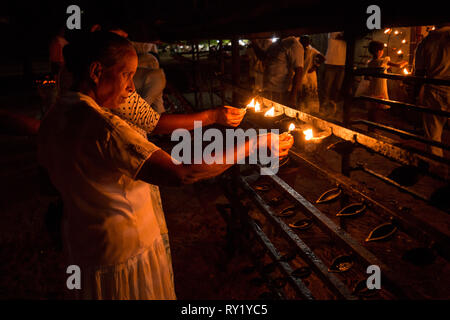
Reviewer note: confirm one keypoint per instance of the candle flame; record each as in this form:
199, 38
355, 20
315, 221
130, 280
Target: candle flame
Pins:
387, 30
252, 103
308, 134
396, 32
405, 71
385, 44
291, 127
404, 41
257, 107
270, 112
399, 51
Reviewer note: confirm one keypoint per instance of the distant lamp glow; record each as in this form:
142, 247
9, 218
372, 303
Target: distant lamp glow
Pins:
433, 28
308, 134
385, 44
404, 41
396, 32
274, 39
270, 112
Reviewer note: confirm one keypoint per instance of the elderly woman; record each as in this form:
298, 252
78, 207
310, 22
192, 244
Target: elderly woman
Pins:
103, 167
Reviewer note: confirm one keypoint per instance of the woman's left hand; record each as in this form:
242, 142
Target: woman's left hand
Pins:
229, 116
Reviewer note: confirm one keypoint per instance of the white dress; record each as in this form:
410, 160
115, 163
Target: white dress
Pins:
111, 224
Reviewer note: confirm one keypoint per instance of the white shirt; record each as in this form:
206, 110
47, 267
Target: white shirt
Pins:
282, 58
110, 219
336, 50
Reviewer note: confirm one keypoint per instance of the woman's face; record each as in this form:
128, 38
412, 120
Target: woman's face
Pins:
116, 82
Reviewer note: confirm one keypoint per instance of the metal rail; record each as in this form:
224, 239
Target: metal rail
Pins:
372, 73
284, 266
322, 271
409, 106
410, 225
386, 147
402, 133
336, 232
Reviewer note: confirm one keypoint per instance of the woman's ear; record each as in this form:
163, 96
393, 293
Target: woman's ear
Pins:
95, 71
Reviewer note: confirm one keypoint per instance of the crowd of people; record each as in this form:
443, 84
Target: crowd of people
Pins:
285, 71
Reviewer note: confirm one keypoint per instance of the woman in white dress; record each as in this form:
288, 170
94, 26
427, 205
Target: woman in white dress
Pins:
102, 168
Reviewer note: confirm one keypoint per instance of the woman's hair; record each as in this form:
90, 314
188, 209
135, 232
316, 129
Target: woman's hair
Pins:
106, 47
375, 46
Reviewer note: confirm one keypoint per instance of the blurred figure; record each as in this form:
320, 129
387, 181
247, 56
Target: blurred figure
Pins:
256, 68
283, 67
334, 71
377, 87
308, 100
432, 60
149, 79
56, 52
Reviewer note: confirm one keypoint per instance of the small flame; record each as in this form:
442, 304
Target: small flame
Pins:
399, 51
270, 112
252, 103
257, 107
308, 134
433, 28
387, 30
385, 44
404, 41
291, 127
405, 71
396, 32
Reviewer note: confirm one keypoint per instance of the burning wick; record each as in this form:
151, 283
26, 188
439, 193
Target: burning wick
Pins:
308, 134
387, 30
404, 41
291, 127
251, 104
396, 32
405, 71
399, 51
270, 112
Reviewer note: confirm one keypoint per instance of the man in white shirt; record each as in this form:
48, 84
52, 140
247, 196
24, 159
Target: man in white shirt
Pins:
432, 60
334, 71
283, 68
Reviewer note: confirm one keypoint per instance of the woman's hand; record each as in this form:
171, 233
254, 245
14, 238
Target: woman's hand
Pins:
281, 143
229, 116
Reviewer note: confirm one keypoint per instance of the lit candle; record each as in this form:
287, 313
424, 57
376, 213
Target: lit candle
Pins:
387, 30
404, 41
270, 112
405, 71
291, 127
308, 134
257, 107
396, 32
399, 51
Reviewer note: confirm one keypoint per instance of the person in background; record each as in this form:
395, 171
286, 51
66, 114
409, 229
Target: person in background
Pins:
334, 72
377, 87
283, 67
256, 68
102, 167
56, 57
432, 60
308, 100
150, 79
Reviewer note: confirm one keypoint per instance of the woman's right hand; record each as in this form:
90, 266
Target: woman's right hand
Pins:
281, 143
